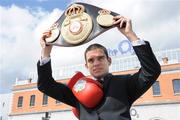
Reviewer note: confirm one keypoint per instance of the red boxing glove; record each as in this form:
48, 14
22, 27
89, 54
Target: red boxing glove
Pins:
88, 91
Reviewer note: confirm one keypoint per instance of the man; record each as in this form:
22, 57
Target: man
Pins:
120, 91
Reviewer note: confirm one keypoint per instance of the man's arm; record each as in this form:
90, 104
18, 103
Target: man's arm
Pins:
46, 83
50, 87
150, 69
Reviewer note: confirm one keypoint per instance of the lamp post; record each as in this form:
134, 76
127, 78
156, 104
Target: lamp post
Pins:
47, 116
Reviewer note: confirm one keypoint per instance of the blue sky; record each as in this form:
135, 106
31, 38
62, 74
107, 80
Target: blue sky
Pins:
23, 21
48, 5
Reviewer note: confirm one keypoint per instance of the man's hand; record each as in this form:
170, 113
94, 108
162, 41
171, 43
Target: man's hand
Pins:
46, 49
124, 25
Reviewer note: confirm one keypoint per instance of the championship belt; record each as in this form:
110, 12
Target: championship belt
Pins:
79, 24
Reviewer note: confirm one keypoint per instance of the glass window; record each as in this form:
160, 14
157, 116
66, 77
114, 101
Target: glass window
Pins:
3, 105
45, 99
58, 102
176, 86
156, 88
20, 101
32, 100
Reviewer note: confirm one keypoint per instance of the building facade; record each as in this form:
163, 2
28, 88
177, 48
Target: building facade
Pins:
160, 102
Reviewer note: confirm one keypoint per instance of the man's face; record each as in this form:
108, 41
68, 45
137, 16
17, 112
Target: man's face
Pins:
97, 63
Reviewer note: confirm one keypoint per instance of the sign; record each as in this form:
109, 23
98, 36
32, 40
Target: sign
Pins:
124, 47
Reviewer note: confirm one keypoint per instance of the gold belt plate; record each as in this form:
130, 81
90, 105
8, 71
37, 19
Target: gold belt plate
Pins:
77, 26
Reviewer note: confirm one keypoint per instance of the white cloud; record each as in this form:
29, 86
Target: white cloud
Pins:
20, 32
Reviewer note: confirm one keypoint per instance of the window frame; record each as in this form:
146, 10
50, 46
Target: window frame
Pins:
32, 100
58, 102
45, 100
20, 102
174, 91
155, 87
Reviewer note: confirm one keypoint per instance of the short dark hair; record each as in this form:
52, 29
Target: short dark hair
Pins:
96, 46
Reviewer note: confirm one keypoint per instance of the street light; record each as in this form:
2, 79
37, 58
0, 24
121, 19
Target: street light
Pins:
47, 116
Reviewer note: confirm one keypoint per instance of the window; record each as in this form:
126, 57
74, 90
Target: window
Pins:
32, 100
176, 86
58, 102
156, 88
20, 101
45, 99
3, 104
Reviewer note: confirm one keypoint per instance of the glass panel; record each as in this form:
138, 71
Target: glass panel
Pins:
45, 99
32, 100
176, 86
20, 101
156, 88
58, 102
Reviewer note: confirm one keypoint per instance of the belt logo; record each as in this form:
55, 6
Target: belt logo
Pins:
77, 25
